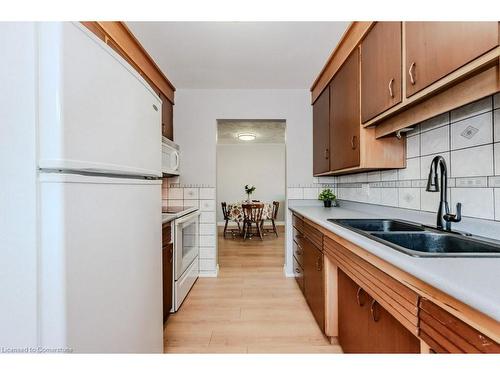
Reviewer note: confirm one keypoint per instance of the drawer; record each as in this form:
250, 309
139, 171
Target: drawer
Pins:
399, 300
313, 235
445, 333
298, 223
298, 253
298, 272
298, 237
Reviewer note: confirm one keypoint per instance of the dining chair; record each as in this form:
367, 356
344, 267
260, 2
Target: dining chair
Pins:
252, 214
272, 219
227, 219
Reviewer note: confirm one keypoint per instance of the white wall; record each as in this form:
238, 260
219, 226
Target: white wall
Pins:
195, 127
18, 254
260, 165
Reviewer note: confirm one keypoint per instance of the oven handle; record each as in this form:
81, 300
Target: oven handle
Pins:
188, 217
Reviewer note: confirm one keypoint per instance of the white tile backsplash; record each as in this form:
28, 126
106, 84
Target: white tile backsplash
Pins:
207, 204
175, 193
191, 193
295, 193
207, 229
435, 122
476, 202
412, 170
497, 159
473, 131
207, 241
472, 109
497, 203
474, 161
496, 123
413, 146
206, 193
409, 198
207, 252
310, 193
435, 141
469, 140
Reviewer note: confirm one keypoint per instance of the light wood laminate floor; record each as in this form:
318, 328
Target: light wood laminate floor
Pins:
251, 307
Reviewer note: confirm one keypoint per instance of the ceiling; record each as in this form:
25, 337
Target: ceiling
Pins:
266, 131
240, 55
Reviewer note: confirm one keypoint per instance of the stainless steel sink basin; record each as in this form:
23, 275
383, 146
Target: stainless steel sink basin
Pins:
379, 225
419, 240
439, 243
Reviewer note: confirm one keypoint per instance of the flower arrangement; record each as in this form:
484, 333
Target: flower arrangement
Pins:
249, 190
327, 197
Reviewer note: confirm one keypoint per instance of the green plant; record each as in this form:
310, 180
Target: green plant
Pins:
327, 195
249, 189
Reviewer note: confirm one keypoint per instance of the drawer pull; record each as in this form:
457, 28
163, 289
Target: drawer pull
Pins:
373, 310
358, 297
297, 270
353, 142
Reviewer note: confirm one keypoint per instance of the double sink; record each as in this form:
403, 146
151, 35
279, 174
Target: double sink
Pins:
420, 240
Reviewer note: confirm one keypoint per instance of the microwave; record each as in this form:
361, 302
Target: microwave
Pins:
170, 157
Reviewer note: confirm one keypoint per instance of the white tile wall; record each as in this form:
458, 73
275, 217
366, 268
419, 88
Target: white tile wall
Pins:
473, 131
207, 193
413, 146
310, 193
469, 140
435, 141
472, 109
497, 203
476, 202
474, 161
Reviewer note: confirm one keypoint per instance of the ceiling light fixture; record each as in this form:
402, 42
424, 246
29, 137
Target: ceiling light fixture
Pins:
246, 136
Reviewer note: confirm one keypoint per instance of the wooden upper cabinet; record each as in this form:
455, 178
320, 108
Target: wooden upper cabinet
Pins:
167, 118
435, 49
321, 133
344, 115
380, 69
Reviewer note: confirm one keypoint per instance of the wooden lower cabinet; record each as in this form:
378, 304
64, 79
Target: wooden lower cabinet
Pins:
314, 281
365, 326
298, 272
167, 274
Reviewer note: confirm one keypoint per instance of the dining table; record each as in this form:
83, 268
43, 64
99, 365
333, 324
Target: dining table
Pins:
235, 211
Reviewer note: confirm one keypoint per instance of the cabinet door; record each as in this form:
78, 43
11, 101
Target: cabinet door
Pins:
167, 118
435, 49
313, 282
353, 313
387, 335
344, 115
380, 69
321, 133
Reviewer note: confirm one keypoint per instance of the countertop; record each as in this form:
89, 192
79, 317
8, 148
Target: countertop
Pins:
473, 281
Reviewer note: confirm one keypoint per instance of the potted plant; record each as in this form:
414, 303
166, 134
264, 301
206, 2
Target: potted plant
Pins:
249, 190
327, 197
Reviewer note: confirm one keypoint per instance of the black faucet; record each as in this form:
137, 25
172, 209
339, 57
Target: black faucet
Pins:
444, 217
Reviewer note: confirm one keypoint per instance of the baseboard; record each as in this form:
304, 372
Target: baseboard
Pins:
214, 273
287, 274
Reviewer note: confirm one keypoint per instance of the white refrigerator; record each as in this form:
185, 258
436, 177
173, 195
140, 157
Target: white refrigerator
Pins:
97, 128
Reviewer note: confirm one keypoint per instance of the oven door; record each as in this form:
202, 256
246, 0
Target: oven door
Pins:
186, 242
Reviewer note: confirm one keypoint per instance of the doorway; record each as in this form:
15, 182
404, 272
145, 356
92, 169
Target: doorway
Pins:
251, 154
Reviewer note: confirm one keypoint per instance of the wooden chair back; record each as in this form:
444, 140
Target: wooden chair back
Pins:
224, 210
253, 211
276, 206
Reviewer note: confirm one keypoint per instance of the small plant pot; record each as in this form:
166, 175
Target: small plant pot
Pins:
327, 203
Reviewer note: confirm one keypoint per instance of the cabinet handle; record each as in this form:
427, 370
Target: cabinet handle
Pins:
353, 142
318, 264
410, 72
327, 154
297, 270
390, 88
358, 297
375, 316
298, 252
